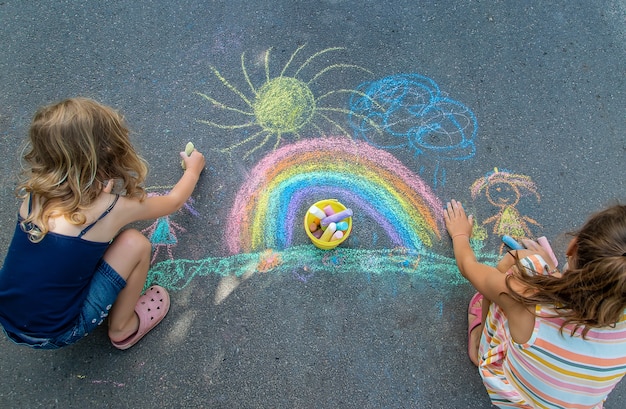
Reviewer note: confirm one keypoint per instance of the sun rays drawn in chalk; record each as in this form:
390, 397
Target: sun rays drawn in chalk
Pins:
504, 189
163, 232
414, 114
284, 104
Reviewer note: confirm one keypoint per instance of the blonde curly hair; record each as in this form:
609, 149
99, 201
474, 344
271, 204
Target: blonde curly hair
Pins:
74, 147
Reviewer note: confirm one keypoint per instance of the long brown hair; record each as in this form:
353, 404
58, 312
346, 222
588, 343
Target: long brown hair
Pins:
592, 291
74, 147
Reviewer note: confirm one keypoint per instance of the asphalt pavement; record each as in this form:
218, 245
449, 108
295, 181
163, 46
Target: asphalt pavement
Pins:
393, 108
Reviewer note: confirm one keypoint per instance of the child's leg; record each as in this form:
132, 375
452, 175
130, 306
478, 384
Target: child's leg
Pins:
129, 255
475, 327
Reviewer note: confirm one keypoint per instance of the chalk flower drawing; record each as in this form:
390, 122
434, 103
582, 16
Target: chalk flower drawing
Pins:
268, 260
282, 105
504, 189
302, 273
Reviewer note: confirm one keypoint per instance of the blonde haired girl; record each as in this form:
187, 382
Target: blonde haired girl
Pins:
68, 266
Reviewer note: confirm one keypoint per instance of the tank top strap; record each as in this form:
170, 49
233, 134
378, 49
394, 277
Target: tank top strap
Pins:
107, 211
30, 204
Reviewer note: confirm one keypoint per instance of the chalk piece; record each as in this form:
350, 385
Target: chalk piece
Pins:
317, 212
313, 227
328, 210
188, 151
328, 233
338, 235
511, 243
543, 242
336, 217
343, 226
318, 233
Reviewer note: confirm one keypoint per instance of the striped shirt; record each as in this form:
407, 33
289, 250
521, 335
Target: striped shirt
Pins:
551, 370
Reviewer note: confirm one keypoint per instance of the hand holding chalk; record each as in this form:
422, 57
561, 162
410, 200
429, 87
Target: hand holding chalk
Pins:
192, 159
189, 148
543, 242
511, 243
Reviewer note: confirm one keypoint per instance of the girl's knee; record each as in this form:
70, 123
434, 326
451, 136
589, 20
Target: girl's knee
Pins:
133, 241
129, 250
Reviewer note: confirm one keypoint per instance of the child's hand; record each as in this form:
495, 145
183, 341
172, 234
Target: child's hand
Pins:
535, 248
194, 162
457, 222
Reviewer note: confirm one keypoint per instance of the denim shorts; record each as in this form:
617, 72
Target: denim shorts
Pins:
103, 290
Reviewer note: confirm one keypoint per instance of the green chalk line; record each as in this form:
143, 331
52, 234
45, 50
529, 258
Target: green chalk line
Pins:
425, 265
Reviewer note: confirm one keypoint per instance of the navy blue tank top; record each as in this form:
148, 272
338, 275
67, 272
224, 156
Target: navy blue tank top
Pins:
43, 285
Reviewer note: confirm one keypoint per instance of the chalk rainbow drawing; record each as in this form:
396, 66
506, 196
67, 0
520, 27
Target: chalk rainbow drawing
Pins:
504, 189
282, 105
413, 113
270, 205
264, 231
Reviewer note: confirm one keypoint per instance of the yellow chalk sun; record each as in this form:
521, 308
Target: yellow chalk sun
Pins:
282, 105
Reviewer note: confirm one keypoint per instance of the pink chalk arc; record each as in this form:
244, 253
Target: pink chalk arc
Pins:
283, 185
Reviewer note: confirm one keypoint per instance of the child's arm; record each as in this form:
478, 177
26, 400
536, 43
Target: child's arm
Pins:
487, 280
158, 206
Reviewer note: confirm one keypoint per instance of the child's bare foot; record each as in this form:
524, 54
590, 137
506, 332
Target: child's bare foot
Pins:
475, 327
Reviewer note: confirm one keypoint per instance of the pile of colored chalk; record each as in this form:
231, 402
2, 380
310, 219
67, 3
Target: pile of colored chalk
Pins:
329, 225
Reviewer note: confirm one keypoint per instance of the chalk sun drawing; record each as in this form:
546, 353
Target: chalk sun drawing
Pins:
269, 207
414, 114
504, 190
282, 105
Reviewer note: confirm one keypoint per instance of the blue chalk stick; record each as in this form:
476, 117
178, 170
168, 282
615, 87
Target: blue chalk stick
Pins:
511, 243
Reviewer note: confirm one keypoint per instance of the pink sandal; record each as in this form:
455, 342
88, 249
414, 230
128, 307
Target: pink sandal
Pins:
478, 312
151, 308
